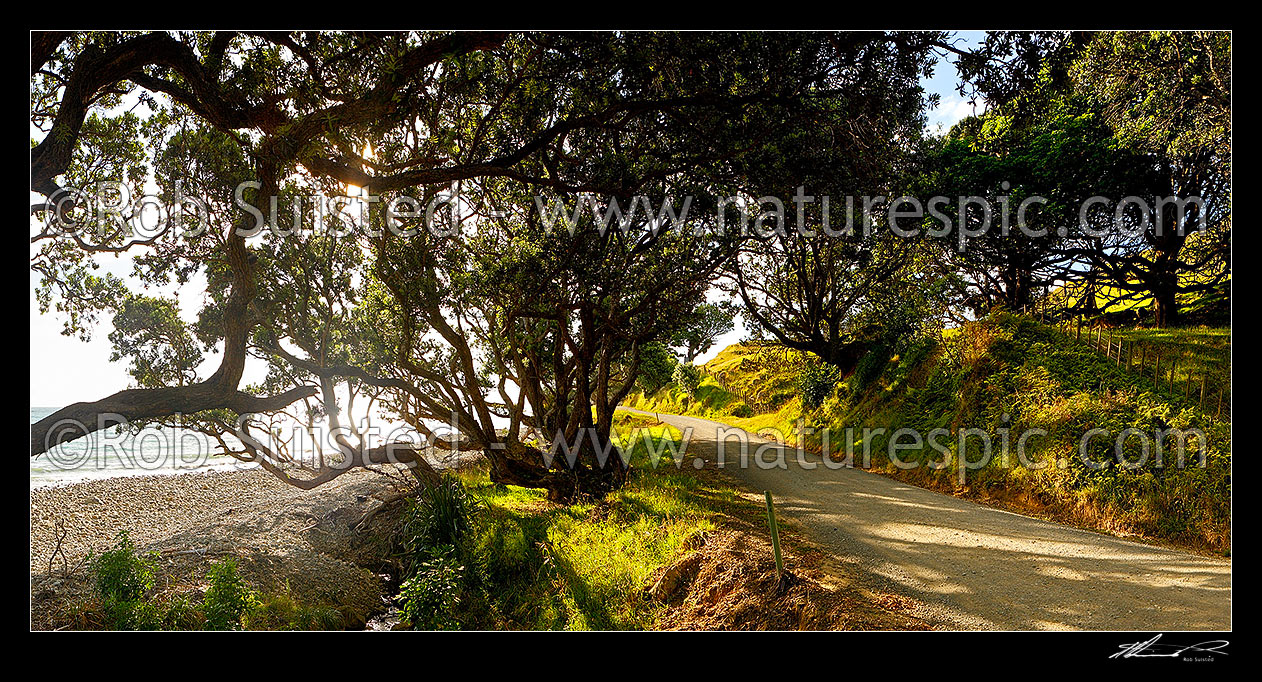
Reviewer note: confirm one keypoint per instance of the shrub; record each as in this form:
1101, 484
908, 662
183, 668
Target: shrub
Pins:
280, 611
123, 578
228, 600
688, 377
428, 599
741, 410
815, 382
121, 573
181, 614
869, 368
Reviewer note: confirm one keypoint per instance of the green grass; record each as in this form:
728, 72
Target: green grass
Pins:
764, 373
1201, 351
539, 565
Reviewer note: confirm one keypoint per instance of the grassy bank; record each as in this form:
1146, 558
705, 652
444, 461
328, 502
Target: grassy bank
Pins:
1004, 376
1195, 352
528, 564
674, 548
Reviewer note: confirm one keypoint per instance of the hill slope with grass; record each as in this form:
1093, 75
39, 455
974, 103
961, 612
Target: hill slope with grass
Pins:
993, 381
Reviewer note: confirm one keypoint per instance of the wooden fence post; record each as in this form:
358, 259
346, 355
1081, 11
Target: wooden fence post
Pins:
775, 534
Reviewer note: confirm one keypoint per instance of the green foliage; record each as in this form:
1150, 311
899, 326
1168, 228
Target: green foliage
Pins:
1008, 374
657, 367
698, 332
182, 614
1199, 351
526, 563
688, 377
124, 578
281, 611
815, 382
1168, 91
430, 596
228, 601
440, 516
121, 573
124, 582
741, 411
150, 332
869, 368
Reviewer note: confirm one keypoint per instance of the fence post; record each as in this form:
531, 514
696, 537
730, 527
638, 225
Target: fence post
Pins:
1156, 372
775, 535
1201, 406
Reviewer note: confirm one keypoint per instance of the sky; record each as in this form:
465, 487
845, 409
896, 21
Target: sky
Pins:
65, 369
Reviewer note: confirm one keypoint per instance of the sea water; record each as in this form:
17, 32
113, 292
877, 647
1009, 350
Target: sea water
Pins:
115, 452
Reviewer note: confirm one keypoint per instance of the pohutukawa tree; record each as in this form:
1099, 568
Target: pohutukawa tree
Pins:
1165, 99
822, 272
488, 316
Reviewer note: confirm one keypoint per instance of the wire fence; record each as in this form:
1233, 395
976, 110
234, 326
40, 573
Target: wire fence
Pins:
1162, 367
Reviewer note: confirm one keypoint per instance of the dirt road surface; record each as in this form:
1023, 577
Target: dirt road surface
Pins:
973, 567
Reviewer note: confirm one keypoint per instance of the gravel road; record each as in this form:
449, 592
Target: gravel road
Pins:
973, 567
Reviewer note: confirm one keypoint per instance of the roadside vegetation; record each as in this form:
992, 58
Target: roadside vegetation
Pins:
485, 556
1003, 374
673, 548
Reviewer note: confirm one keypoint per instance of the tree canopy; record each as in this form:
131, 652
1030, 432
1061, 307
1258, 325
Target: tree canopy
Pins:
504, 232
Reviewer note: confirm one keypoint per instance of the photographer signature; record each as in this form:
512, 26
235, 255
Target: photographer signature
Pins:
1151, 649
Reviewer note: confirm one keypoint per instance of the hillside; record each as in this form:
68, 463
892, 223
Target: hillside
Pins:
994, 380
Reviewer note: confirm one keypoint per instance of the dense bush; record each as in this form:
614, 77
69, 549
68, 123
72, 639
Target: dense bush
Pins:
437, 545
427, 599
228, 601
688, 377
657, 367
869, 368
740, 410
815, 382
